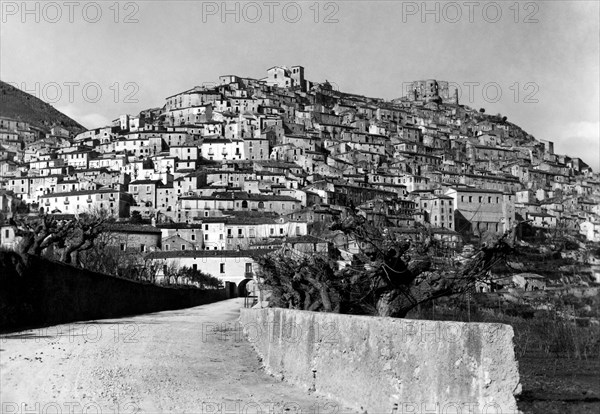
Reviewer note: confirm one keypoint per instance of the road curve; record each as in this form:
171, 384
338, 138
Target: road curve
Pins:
185, 361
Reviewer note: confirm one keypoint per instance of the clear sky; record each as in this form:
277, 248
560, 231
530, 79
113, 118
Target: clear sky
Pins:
535, 62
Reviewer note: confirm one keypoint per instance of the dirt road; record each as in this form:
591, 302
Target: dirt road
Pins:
191, 360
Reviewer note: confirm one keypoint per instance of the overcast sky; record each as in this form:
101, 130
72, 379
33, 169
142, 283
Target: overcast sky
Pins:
537, 63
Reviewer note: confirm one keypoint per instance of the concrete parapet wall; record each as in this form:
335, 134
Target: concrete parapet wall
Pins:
386, 365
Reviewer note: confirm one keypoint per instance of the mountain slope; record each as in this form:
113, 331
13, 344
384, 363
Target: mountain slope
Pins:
16, 104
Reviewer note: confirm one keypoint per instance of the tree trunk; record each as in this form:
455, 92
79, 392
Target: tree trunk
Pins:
25, 245
322, 288
315, 305
394, 304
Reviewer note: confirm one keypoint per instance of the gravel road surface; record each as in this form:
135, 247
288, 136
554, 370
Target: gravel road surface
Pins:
185, 361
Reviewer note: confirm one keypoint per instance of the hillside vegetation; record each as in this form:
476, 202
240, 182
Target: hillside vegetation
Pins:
16, 104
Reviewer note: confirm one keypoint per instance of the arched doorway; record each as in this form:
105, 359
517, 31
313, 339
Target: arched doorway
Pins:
241, 289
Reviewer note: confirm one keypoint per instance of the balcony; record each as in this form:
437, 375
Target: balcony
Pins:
249, 275
66, 201
230, 236
89, 200
240, 236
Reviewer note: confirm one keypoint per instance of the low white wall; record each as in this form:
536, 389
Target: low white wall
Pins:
387, 365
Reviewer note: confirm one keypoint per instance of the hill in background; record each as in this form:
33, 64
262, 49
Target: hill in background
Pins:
16, 104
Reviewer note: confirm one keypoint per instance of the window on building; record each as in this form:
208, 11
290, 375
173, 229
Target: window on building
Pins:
221, 267
142, 247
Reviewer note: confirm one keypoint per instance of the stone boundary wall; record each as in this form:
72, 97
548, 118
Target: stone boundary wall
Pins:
386, 365
46, 293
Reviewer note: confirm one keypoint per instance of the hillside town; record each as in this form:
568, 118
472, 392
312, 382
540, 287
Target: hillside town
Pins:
219, 175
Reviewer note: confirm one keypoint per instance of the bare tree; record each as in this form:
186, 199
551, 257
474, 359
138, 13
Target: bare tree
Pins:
389, 275
41, 232
70, 235
82, 238
107, 256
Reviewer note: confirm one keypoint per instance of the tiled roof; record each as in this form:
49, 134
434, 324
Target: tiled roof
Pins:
83, 192
131, 228
171, 254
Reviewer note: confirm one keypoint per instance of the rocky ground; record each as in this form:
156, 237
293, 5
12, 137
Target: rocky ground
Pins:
191, 360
